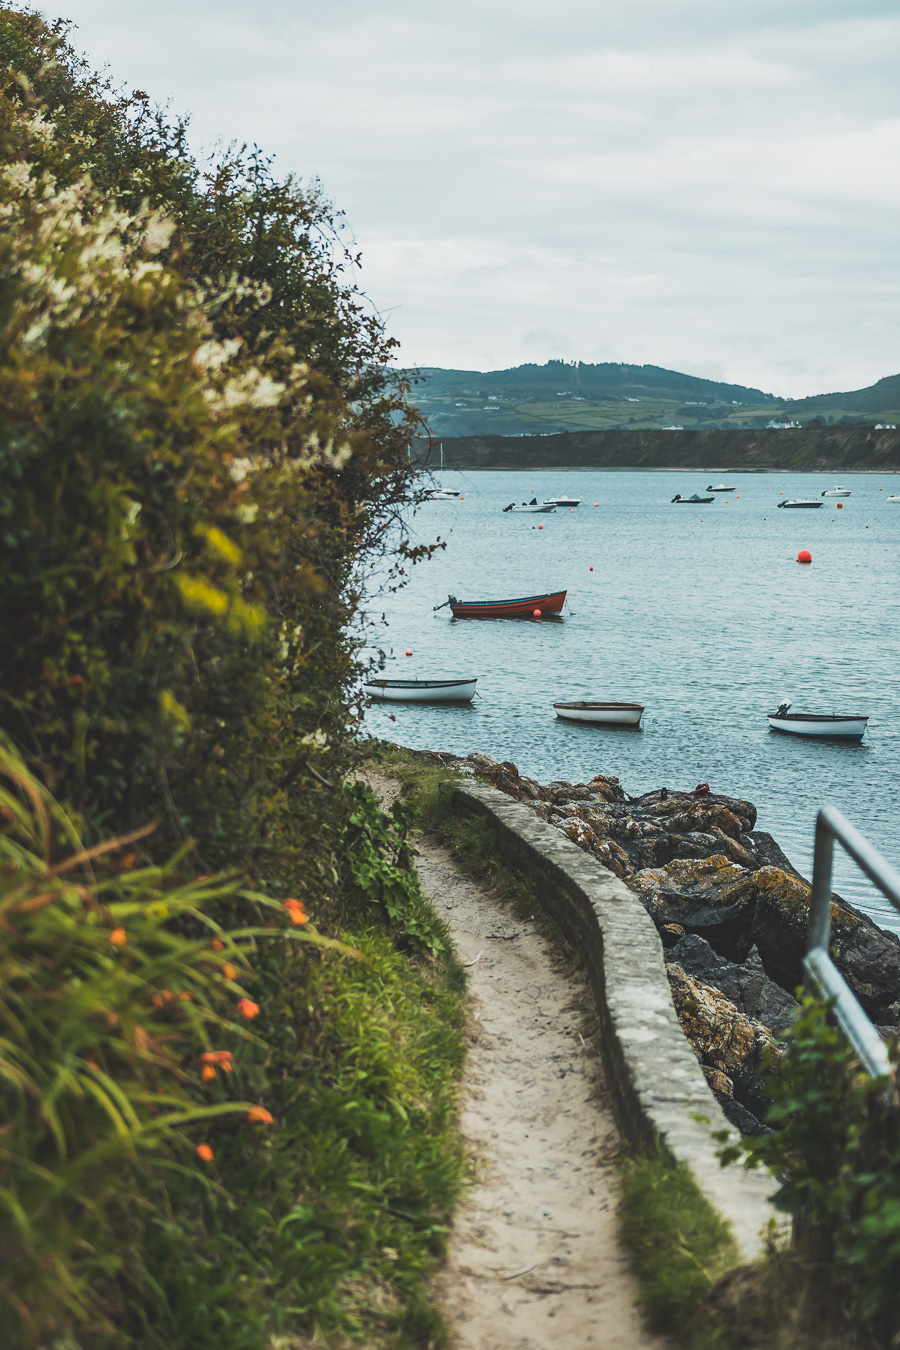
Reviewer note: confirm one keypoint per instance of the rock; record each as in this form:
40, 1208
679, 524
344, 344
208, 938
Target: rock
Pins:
670, 934
770, 853
868, 959
677, 803
725, 1039
709, 896
744, 983
560, 792
607, 786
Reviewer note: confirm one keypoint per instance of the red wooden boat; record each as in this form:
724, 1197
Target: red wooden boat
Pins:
522, 608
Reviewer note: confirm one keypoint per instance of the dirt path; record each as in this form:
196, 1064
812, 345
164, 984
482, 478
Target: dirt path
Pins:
534, 1258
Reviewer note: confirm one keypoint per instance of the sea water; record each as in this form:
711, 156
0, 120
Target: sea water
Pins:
701, 613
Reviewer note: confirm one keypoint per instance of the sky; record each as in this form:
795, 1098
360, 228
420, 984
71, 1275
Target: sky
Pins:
706, 185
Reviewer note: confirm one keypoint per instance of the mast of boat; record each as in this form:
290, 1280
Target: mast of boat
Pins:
442, 456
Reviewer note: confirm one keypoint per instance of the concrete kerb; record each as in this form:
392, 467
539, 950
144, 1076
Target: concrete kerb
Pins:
657, 1087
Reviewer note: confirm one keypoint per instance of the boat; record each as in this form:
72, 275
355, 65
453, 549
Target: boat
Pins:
441, 495
605, 714
421, 691
720, 487
843, 726
562, 501
520, 608
801, 502
893, 499
691, 501
533, 506
837, 492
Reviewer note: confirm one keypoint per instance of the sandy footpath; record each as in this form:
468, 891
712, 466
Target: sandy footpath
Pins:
534, 1258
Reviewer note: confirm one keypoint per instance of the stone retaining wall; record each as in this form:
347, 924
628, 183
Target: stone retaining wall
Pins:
657, 1087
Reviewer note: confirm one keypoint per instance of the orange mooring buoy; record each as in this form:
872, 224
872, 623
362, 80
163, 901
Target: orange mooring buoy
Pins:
804, 556
537, 613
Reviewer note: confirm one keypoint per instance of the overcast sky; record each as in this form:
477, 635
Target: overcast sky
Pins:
708, 185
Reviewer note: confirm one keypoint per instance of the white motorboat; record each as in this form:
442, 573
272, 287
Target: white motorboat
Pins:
606, 714
837, 492
533, 506
441, 495
893, 499
562, 501
803, 503
693, 500
842, 726
720, 487
421, 691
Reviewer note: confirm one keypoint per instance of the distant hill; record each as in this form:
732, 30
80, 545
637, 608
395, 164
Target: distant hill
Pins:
561, 396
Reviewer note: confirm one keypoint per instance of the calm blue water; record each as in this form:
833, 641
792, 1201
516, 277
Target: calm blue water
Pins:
700, 613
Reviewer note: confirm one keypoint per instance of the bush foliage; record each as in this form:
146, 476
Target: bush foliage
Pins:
835, 1148
201, 444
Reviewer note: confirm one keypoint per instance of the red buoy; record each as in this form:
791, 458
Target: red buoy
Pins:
408, 652
804, 556
540, 527
590, 569
840, 506
537, 613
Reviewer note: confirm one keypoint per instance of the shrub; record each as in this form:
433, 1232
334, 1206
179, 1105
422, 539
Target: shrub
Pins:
835, 1148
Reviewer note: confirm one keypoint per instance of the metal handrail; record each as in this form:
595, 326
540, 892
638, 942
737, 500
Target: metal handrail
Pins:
821, 971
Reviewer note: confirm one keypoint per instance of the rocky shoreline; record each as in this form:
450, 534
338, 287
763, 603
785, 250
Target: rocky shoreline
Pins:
730, 908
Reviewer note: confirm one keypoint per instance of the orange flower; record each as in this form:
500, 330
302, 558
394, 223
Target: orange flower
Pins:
128, 861
229, 971
220, 1057
260, 1115
118, 937
76, 679
157, 1000
296, 911
217, 945
205, 1153
207, 1073
247, 1008
185, 995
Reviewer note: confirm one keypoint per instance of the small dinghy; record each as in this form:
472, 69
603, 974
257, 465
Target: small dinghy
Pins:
421, 691
837, 492
842, 726
800, 502
720, 487
562, 501
521, 608
604, 714
691, 501
533, 506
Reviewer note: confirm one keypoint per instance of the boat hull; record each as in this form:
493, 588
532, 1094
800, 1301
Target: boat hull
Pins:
421, 691
562, 501
801, 506
521, 608
603, 714
808, 724
529, 510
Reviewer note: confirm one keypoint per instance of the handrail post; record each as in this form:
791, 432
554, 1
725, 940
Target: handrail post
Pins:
820, 899
822, 976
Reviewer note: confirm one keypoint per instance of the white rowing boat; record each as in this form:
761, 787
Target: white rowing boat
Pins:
421, 691
606, 714
843, 726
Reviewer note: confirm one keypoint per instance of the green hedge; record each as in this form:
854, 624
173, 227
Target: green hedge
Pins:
201, 445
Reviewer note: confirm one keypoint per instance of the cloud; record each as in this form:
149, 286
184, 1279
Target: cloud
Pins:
700, 185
